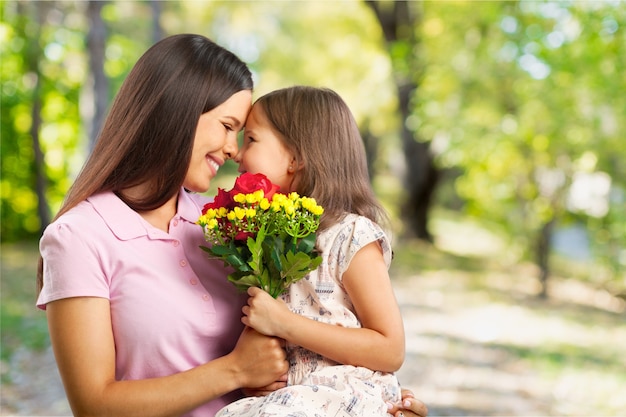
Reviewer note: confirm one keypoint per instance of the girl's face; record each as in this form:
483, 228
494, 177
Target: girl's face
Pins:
264, 152
216, 140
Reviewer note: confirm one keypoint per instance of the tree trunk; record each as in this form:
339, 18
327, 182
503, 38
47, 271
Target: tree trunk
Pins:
398, 21
96, 44
421, 175
39, 170
157, 30
371, 150
543, 256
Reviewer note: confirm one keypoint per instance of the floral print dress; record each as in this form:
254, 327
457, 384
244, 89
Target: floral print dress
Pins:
317, 386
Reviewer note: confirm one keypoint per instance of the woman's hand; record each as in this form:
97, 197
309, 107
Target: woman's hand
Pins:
410, 406
266, 390
261, 360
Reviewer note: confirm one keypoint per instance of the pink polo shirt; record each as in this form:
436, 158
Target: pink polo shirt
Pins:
171, 308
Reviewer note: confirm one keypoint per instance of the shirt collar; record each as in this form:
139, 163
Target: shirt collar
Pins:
189, 208
127, 224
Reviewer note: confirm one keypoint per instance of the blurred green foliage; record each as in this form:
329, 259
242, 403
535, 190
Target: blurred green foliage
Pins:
522, 102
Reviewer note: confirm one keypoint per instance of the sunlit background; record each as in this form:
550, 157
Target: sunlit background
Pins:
495, 135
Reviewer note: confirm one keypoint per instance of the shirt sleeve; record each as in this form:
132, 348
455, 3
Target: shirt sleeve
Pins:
361, 232
71, 265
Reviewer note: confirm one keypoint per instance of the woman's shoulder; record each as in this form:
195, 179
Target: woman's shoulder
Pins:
81, 215
95, 215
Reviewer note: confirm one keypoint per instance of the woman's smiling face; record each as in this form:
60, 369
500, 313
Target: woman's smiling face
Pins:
216, 140
263, 151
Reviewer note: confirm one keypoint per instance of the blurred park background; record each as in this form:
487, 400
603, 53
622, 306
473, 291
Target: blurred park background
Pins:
496, 138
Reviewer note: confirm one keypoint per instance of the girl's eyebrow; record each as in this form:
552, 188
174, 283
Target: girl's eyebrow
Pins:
249, 132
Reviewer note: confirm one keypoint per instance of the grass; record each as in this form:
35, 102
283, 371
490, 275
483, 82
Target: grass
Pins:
475, 327
481, 342
22, 324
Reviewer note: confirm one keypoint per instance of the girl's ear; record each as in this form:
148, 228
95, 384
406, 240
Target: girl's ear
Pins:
295, 165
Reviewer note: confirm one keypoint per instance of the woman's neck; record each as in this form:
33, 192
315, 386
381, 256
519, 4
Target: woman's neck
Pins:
159, 217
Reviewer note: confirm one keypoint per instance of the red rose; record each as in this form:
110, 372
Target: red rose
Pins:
222, 199
243, 235
248, 183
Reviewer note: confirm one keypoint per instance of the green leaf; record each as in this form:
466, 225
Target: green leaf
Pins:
243, 281
237, 262
273, 247
255, 246
307, 243
297, 265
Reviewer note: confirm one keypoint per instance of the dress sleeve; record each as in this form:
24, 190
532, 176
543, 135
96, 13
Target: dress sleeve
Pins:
358, 233
72, 265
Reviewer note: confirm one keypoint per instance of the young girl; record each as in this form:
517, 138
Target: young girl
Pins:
342, 324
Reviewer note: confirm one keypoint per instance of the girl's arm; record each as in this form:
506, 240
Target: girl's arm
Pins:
378, 345
82, 339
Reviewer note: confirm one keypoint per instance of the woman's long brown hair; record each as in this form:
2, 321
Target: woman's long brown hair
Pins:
148, 135
319, 128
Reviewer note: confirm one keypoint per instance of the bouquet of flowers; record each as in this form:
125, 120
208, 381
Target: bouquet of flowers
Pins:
266, 236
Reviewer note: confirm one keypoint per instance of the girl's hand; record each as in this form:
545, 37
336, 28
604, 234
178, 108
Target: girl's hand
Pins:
410, 406
264, 313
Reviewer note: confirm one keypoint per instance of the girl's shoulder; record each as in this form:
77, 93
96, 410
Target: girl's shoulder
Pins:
349, 235
354, 223
355, 231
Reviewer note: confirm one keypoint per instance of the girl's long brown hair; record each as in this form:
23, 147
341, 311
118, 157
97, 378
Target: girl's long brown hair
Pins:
148, 135
319, 128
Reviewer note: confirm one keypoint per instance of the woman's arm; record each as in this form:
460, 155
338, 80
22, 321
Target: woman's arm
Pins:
82, 339
367, 283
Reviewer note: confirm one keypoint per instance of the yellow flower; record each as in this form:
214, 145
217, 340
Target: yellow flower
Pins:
240, 198
287, 218
289, 207
240, 213
311, 205
252, 198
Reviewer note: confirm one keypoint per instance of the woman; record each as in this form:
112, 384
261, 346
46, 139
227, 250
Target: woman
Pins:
141, 322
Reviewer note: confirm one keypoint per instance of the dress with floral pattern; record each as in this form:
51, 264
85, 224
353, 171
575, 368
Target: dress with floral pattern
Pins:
317, 386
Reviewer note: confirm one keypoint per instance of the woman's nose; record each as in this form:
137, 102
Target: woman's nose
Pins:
231, 149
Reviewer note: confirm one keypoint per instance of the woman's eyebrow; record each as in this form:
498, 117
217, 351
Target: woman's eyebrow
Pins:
236, 122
